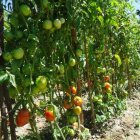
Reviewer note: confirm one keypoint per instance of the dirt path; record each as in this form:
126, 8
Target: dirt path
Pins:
125, 127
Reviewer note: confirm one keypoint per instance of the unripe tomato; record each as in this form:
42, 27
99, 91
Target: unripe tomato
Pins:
41, 82
25, 10
107, 85
18, 53
35, 90
27, 69
7, 56
77, 100
19, 34
14, 21
107, 78
57, 23
47, 24
8, 36
67, 105
44, 90
99, 101
12, 92
95, 98
49, 115
22, 118
71, 132
61, 69
78, 52
108, 90
72, 62
72, 119
62, 20
26, 82
46, 3
77, 110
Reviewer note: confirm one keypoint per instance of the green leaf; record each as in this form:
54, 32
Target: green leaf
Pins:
100, 18
100, 10
12, 79
119, 60
3, 77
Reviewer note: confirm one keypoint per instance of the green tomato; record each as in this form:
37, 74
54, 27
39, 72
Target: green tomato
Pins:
77, 110
72, 62
44, 90
35, 90
27, 69
95, 99
12, 92
7, 56
8, 36
19, 34
57, 23
25, 10
18, 53
46, 3
72, 119
41, 82
99, 101
26, 82
61, 69
62, 20
103, 70
71, 132
47, 24
78, 52
14, 21
100, 97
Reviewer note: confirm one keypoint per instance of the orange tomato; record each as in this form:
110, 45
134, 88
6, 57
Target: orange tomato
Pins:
107, 85
83, 82
67, 105
73, 90
77, 100
22, 118
49, 115
107, 78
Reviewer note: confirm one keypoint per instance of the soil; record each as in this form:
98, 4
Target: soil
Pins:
124, 127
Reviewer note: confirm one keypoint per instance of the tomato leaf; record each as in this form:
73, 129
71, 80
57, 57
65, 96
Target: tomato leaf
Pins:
119, 60
3, 77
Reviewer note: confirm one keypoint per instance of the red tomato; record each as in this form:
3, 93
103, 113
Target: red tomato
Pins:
73, 90
22, 118
49, 115
77, 100
91, 84
107, 78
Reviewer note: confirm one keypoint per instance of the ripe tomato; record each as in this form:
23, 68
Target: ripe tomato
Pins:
62, 20
73, 90
22, 118
7, 56
18, 53
47, 24
57, 23
107, 78
46, 3
77, 100
41, 82
107, 85
67, 105
25, 10
91, 84
72, 62
77, 110
49, 115
78, 52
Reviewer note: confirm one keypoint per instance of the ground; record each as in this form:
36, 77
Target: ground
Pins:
124, 127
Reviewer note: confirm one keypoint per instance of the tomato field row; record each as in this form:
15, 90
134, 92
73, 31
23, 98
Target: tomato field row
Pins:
81, 57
